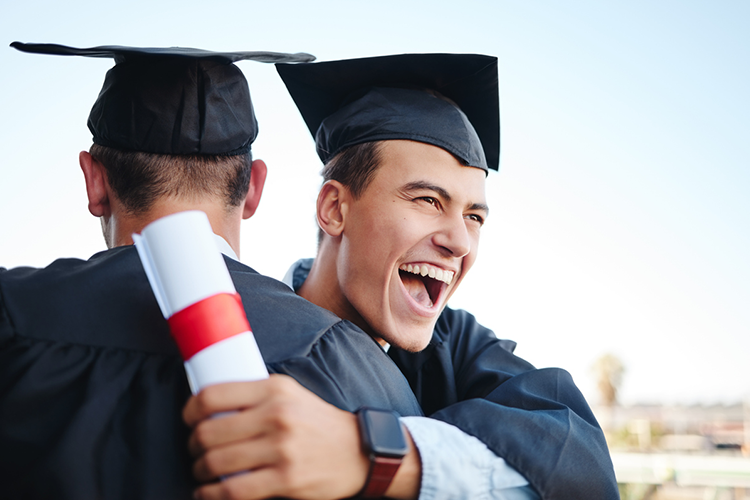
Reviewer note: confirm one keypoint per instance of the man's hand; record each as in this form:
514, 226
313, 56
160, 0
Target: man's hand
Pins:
293, 443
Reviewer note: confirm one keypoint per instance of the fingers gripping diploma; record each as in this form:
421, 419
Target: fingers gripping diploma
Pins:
295, 444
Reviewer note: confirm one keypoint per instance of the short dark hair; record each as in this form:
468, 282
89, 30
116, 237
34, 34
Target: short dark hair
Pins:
139, 179
354, 167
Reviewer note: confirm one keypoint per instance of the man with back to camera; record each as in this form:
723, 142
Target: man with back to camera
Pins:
403, 199
91, 385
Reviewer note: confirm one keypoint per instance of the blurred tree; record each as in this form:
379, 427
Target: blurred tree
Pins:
608, 370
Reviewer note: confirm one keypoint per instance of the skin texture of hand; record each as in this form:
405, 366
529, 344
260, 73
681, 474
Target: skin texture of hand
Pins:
295, 445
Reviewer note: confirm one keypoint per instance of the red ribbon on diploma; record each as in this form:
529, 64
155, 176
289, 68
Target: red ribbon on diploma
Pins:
208, 321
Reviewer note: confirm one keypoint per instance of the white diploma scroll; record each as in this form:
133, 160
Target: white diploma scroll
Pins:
196, 295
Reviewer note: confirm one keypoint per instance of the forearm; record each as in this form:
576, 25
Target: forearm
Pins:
407, 481
294, 443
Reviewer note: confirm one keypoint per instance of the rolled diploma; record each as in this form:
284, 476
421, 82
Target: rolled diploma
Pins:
196, 295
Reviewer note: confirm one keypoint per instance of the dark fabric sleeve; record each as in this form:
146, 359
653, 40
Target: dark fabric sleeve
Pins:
349, 370
536, 419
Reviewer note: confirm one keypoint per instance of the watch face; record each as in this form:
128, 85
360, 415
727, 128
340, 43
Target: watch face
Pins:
384, 433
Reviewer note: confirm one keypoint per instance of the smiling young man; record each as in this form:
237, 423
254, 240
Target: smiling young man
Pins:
407, 142
393, 255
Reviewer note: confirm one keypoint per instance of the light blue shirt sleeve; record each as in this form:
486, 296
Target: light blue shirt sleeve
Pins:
456, 465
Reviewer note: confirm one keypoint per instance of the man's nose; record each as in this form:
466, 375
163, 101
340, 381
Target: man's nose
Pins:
453, 236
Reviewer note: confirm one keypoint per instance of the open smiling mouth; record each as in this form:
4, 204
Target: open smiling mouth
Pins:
424, 283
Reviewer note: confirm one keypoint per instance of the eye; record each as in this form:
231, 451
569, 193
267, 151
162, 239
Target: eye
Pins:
475, 217
429, 200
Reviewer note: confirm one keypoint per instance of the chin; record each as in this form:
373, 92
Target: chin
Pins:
414, 342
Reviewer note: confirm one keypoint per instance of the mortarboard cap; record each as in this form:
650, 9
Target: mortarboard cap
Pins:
175, 100
354, 101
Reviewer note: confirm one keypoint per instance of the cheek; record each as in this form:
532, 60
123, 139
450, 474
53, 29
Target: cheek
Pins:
383, 237
364, 265
472, 256
467, 262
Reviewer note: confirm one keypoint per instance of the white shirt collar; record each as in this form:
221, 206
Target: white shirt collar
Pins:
225, 248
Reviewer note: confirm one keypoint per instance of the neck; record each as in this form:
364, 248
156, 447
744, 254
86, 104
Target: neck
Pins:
119, 227
322, 288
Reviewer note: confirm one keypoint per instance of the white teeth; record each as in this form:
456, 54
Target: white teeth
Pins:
433, 272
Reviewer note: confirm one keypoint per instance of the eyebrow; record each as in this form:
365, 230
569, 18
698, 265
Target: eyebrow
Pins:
417, 185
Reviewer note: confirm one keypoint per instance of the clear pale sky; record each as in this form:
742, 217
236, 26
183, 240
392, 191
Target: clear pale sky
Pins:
620, 218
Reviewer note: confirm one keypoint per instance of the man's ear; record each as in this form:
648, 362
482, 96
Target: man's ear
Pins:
258, 172
97, 188
332, 208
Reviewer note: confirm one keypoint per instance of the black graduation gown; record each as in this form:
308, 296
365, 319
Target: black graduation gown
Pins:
536, 419
92, 387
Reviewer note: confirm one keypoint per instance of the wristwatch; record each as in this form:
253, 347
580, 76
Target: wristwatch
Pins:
384, 441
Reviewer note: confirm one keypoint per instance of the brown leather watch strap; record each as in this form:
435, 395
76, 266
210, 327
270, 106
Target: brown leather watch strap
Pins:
382, 471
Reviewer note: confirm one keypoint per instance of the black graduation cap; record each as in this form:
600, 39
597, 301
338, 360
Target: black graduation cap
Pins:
353, 101
175, 100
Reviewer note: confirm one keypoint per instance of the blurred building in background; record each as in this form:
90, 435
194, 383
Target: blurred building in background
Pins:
674, 452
